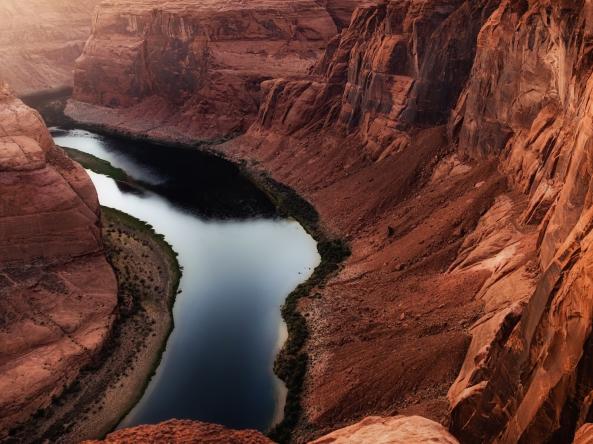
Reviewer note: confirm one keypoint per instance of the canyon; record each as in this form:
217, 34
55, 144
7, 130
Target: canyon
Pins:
58, 292
40, 40
447, 141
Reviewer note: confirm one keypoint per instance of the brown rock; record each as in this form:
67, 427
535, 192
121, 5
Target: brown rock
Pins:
183, 432
528, 103
584, 435
57, 291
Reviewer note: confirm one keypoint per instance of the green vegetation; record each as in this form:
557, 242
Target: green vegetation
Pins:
292, 362
130, 221
97, 165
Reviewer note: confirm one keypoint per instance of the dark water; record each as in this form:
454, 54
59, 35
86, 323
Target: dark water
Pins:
240, 262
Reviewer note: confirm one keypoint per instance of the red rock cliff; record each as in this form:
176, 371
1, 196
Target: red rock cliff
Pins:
40, 40
57, 291
528, 104
192, 70
523, 109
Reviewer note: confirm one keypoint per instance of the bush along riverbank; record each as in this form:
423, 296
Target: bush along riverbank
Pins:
292, 361
148, 276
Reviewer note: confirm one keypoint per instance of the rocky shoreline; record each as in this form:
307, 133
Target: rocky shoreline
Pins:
148, 276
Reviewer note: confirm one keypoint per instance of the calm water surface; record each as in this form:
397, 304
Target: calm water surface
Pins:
240, 262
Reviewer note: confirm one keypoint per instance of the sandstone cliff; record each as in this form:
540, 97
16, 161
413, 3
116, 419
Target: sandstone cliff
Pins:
40, 40
528, 105
57, 291
508, 249
191, 70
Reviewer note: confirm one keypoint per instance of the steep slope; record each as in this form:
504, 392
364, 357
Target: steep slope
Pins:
57, 291
528, 103
189, 70
40, 40
356, 139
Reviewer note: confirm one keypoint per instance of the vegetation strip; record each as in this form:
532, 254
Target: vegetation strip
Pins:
98, 165
292, 361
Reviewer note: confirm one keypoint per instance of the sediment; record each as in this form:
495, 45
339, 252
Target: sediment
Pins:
106, 390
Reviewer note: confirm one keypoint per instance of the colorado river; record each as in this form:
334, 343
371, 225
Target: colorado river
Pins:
239, 261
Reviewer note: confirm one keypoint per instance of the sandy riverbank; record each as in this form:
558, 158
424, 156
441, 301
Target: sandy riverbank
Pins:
148, 275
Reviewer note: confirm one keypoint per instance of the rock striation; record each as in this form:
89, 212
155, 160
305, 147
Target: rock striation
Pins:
57, 291
190, 70
40, 40
528, 105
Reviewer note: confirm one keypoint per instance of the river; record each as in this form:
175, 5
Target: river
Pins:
240, 261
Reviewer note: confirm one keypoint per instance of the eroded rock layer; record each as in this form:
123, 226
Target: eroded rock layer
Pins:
528, 104
191, 69
57, 291
40, 40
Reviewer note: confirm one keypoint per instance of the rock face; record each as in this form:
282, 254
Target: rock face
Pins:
584, 435
395, 430
528, 104
192, 69
182, 432
40, 40
57, 291
523, 108
449, 141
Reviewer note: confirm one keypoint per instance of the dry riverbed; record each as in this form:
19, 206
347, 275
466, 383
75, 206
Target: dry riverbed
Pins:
148, 275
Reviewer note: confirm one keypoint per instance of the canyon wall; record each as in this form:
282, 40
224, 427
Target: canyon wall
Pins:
513, 91
57, 292
40, 40
449, 142
190, 70
428, 229
528, 104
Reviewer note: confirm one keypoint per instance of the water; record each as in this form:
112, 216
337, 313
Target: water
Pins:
240, 262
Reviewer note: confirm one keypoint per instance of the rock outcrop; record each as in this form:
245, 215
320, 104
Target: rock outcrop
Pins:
182, 432
191, 70
372, 430
394, 430
57, 291
40, 40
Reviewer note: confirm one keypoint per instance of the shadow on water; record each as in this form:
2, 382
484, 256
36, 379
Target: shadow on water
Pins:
240, 259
